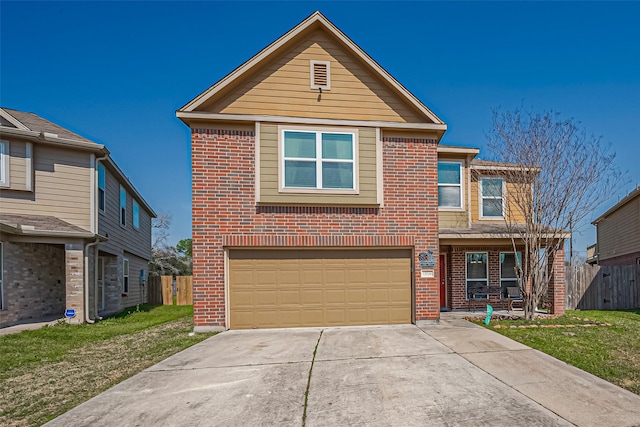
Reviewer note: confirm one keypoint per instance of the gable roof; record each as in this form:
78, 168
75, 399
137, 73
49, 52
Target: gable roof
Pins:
315, 20
35, 128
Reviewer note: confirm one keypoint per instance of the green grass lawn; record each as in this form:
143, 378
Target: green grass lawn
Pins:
46, 372
609, 352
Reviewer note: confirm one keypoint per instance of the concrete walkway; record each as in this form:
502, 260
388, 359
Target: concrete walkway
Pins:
29, 325
454, 373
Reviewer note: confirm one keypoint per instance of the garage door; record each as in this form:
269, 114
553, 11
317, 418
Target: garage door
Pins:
287, 288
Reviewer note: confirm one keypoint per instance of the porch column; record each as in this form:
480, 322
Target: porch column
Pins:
74, 275
557, 284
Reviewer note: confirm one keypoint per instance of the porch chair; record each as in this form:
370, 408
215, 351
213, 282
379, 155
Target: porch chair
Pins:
513, 295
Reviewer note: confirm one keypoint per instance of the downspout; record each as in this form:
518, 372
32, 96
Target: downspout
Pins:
86, 250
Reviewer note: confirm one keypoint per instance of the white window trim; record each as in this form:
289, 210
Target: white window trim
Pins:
312, 74
481, 198
127, 276
120, 217
501, 279
318, 132
461, 185
466, 277
104, 190
5, 154
135, 205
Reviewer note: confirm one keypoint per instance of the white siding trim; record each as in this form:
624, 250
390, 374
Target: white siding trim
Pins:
92, 191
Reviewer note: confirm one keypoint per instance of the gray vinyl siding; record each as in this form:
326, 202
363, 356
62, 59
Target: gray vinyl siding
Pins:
619, 232
135, 241
269, 172
61, 183
138, 294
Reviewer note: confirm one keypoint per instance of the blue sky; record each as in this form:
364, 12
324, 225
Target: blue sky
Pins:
115, 72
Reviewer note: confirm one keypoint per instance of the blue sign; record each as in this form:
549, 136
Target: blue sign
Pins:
70, 313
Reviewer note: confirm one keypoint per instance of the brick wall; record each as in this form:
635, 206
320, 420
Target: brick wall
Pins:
34, 281
225, 213
557, 284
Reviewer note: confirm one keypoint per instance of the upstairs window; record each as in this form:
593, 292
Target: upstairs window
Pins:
320, 75
491, 198
4, 163
136, 215
315, 160
450, 185
101, 188
123, 206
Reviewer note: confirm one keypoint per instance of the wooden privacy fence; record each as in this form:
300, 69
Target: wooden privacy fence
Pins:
161, 290
595, 287
155, 290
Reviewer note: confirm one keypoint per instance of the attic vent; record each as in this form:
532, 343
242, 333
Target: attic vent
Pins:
320, 75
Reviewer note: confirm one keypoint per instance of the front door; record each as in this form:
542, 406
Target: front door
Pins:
443, 282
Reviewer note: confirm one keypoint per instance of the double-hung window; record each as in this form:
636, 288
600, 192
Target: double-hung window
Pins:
136, 215
4, 163
123, 206
317, 160
477, 275
491, 198
509, 261
101, 188
125, 275
450, 185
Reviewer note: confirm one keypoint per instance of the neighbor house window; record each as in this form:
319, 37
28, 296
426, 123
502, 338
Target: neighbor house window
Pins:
318, 160
477, 275
450, 185
123, 206
508, 276
4, 163
101, 188
125, 275
491, 198
136, 215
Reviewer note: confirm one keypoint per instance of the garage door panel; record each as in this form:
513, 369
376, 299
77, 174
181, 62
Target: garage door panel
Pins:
288, 288
290, 297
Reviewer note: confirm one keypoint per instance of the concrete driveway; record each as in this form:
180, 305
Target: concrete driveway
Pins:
452, 374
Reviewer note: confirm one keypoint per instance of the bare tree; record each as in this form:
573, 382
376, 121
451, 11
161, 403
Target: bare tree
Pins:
165, 259
556, 176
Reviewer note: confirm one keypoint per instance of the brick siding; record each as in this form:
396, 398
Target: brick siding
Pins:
225, 214
34, 281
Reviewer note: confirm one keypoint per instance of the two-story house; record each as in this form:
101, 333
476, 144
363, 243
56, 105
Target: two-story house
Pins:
321, 196
75, 234
618, 233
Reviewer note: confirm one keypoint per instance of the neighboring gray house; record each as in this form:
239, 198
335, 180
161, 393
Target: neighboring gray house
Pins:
74, 232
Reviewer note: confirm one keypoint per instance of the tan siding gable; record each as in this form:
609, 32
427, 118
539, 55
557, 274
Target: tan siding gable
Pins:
619, 233
61, 187
283, 88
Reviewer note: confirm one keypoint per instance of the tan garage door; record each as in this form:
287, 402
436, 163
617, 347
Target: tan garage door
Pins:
289, 288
